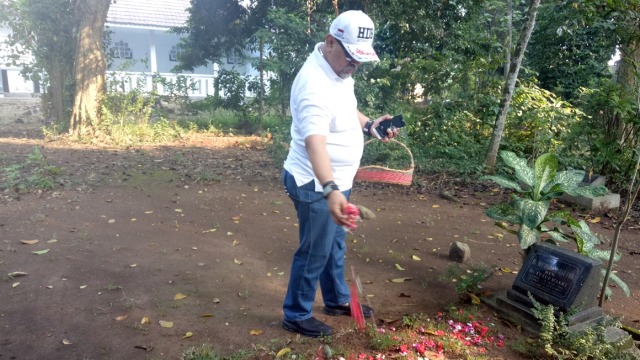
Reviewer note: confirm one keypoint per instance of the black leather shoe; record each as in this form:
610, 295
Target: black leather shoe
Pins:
311, 327
346, 310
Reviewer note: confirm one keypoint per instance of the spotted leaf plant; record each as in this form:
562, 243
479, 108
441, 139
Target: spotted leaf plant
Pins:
534, 188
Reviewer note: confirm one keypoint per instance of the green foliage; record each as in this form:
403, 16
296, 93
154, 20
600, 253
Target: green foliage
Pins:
467, 281
34, 173
446, 137
233, 87
204, 352
568, 50
607, 136
539, 121
175, 90
390, 154
536, 187
559, 343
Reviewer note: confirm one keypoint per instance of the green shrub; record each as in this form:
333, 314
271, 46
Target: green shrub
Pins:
34, 173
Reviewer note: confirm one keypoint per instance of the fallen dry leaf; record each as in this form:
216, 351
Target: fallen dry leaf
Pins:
16, 274
145, 320
41, 252
474, 299
283, 352
15, 284
179, 296
399, 280
237, 261
415, 257
144, 347
121, 317
255, 332
399, 267
29, 242
166, 324
188, 334
66, 342
206, 315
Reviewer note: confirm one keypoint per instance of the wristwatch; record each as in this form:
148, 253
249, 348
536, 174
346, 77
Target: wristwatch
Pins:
328, 188
367, 127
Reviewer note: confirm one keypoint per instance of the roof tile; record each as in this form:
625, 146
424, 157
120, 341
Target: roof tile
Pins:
148, 13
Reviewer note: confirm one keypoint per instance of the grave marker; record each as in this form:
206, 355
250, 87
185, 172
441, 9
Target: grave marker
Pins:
553, 276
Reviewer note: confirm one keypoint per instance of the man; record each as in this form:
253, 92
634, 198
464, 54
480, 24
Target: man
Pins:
325, 152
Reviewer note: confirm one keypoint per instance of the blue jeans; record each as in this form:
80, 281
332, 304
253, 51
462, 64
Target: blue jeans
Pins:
320, 256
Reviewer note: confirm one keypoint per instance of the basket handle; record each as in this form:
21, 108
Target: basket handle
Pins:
401, 144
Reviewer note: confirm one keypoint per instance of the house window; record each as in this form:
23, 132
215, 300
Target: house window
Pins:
121, 50
176, 50
233, 58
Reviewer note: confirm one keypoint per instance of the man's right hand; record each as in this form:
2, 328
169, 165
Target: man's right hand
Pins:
337, 203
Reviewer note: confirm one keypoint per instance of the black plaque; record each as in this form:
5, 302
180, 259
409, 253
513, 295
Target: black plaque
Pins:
557, 276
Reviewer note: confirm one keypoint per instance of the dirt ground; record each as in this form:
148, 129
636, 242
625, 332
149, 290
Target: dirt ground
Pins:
199, 233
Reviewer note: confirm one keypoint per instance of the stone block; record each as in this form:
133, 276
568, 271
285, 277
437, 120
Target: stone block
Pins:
600, 203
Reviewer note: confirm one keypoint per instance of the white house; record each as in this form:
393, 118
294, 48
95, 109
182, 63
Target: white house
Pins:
140, 47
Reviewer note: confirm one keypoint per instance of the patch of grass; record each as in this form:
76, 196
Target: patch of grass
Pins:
467, 280
34, 173
137, 326
217, 121
207, 177
204, 352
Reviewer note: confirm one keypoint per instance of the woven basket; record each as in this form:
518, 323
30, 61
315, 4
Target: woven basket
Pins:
381, 174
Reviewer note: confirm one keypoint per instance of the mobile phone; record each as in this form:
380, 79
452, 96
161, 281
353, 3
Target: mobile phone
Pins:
393, 123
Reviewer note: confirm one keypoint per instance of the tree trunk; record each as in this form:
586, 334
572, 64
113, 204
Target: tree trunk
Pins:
90, 65
509, 87
508, 41
262, 88
627, 76
55, 95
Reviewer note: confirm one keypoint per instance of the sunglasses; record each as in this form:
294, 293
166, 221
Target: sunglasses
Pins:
347, 56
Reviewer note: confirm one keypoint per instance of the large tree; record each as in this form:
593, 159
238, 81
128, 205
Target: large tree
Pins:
90, 65
65, 39
42, 39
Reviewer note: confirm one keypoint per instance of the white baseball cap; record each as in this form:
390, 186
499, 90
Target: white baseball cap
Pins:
354, 29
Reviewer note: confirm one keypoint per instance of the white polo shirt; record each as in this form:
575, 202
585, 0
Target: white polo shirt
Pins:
324, 104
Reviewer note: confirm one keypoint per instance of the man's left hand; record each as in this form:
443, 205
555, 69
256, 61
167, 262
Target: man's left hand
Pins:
391, 133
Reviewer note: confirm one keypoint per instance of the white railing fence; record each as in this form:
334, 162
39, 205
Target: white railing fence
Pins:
199, 85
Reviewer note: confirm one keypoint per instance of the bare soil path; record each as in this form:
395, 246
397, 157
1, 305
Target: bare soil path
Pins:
199, 233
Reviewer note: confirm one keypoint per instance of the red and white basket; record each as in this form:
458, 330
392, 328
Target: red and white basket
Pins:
382, 174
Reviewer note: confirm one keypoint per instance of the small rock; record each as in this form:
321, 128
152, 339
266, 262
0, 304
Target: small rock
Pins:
365, 213
459, 252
